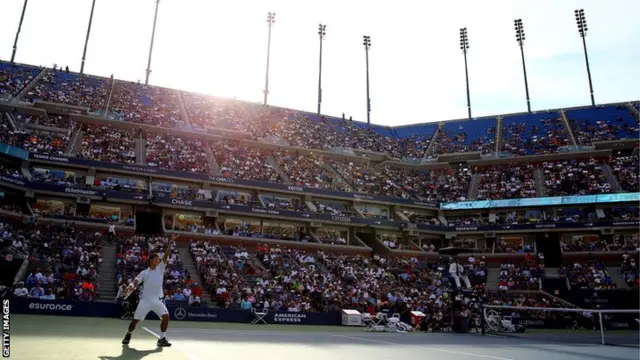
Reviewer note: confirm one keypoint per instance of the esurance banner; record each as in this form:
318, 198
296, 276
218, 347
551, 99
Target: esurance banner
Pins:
65, 308
225, 180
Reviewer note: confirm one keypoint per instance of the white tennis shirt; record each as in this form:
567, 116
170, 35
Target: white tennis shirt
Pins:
152, 280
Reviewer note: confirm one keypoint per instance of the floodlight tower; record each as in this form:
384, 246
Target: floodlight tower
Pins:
86, 41
464, 46
581, 20
520, 39
271, 19
153, 35
366, 41
322, 31
15, 43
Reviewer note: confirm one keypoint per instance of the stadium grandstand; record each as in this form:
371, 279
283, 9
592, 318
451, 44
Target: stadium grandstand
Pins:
299, 216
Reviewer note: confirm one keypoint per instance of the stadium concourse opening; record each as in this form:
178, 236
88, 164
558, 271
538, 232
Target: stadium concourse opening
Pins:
149, 222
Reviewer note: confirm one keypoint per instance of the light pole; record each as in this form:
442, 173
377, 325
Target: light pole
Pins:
86, 41
15, 43
366, 41
520, 39
581, 20
153, 35
271, 19
321, 33
464, 46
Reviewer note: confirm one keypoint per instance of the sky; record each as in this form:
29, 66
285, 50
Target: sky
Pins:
416, 65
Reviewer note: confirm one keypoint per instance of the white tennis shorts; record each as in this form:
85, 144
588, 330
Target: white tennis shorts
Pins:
147, 305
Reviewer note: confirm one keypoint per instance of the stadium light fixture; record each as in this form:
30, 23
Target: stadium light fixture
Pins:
271, 19
322, 31
520, 37
581, 20
153, 35
366, 41
15, 43
464, 46
86, 41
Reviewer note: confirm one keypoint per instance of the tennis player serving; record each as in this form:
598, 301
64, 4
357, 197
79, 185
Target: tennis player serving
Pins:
151, 297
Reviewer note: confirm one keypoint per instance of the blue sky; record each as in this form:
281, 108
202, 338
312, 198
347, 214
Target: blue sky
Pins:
417, 70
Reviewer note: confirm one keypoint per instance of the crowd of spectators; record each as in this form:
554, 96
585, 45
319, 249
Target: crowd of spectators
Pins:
14, 78
145, 104
218, 273
543, 138
514, 276
48, 120
602, 124
506, 182
171, 152
591, 275
511, 245
331, 236
290, 281
63, 260
629, 270
237, 160
575, 177
104, 143
450, 140
625, 242
41, 142
627, 169
60, 86
588, 243
306, 170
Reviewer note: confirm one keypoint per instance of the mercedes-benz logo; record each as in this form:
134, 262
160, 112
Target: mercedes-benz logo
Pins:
180, 313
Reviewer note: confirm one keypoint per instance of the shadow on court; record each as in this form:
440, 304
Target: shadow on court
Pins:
129, 353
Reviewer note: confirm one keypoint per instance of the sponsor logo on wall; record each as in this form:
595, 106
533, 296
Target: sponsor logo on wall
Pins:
50, 307
289, 317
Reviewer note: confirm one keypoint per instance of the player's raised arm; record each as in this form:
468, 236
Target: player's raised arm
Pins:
167, 250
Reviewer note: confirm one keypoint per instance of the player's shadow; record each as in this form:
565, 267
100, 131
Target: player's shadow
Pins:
129, 353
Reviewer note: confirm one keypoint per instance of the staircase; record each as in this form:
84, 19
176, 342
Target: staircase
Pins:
473, 187
634, 111
213, 164
429, 150
493, 278
617, 279
107, 273
538, 177
567, 125
189, 265
499, 127
31, 85
183, 110
336, 175
611, 177
271, 160
141, 159
374, 243
75, 143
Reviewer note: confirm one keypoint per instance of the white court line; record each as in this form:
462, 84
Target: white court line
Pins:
188, 354
424, 347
